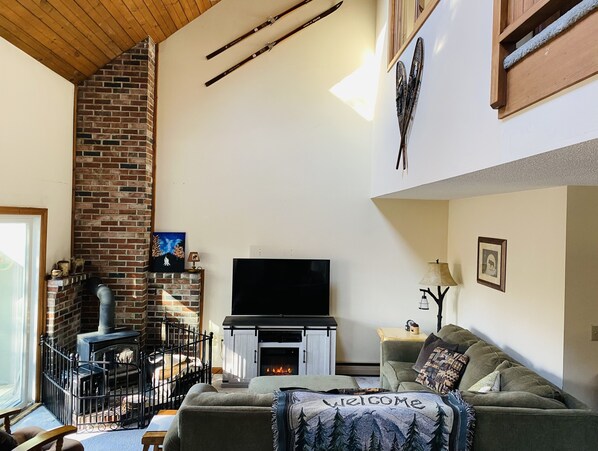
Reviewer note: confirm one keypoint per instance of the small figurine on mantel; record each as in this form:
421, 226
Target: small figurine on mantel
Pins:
77, 265
64, 266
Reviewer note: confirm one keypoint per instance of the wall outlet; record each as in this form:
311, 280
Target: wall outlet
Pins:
594, 333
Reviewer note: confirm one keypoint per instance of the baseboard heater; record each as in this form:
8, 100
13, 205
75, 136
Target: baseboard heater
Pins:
358, 369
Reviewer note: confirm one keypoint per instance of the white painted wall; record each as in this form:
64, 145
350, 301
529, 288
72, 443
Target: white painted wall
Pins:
455, 131
581, 307
528, 319
270, 156
36, 143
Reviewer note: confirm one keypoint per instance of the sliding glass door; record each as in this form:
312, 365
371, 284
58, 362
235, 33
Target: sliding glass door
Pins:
20, 237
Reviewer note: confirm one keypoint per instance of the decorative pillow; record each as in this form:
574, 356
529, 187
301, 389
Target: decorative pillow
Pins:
443, 370
488, 383
431, 343
7, 442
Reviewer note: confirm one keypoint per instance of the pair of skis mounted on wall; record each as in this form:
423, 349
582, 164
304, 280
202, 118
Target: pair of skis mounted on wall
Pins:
270, 45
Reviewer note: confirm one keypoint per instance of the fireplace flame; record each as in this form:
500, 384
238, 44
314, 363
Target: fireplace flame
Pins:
278, 371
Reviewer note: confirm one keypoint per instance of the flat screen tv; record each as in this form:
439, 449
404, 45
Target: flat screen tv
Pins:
287, 287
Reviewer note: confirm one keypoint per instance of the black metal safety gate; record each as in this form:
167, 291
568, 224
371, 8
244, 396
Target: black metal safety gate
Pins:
118, 394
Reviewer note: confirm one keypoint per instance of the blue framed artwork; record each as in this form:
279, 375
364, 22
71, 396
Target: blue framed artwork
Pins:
168, 252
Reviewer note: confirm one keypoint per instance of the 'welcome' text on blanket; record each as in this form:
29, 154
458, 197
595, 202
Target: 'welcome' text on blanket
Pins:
305, 420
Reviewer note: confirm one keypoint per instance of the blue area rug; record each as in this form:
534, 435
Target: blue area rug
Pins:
127, 440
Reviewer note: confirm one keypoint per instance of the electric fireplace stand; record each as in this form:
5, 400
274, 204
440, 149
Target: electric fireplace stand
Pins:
277, 345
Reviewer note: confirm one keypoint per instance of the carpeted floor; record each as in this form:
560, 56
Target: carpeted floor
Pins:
128, 440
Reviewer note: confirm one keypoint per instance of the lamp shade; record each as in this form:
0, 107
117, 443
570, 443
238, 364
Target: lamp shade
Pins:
193, 257
438, 274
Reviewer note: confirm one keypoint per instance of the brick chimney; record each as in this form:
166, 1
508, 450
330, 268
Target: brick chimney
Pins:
113, 182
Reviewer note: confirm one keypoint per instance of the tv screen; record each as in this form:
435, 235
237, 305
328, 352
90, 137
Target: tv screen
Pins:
293, 287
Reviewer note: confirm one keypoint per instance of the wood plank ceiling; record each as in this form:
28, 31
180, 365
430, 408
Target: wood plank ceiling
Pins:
75, 38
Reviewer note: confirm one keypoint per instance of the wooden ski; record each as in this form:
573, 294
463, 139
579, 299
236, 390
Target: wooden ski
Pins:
270, 45
268, 22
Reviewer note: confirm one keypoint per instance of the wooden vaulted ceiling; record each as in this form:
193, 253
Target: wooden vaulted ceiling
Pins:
75, 38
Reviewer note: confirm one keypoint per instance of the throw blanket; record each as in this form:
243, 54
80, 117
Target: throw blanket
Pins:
360, 420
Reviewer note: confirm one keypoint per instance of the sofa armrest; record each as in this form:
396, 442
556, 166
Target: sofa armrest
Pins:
225, 428
522, 429
399, 351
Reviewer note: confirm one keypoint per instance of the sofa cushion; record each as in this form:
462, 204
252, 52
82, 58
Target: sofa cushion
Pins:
413, 386
431, 343
483, 360
229, 399
268, 384
443, 370
521, 378
397, 372
458, 335
512, 399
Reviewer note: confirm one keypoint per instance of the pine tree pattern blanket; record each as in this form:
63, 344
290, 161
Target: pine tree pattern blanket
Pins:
305, 420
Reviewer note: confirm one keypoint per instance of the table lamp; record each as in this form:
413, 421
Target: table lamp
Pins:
438, 275
193, 258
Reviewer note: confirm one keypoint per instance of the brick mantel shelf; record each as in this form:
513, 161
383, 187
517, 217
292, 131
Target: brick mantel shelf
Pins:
63, 317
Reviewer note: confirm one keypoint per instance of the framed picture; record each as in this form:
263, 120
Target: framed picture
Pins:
168, 252
492, 262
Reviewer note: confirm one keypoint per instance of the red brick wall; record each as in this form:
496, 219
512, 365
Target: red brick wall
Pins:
177, 297
63, 319
113, 182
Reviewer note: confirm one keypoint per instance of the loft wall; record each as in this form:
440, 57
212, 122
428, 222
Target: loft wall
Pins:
276, 156
36, 144
454, 126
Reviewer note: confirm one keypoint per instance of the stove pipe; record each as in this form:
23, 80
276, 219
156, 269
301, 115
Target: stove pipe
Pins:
107, 304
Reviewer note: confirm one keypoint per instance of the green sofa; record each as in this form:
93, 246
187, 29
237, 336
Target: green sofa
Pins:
529, 413
209, 420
